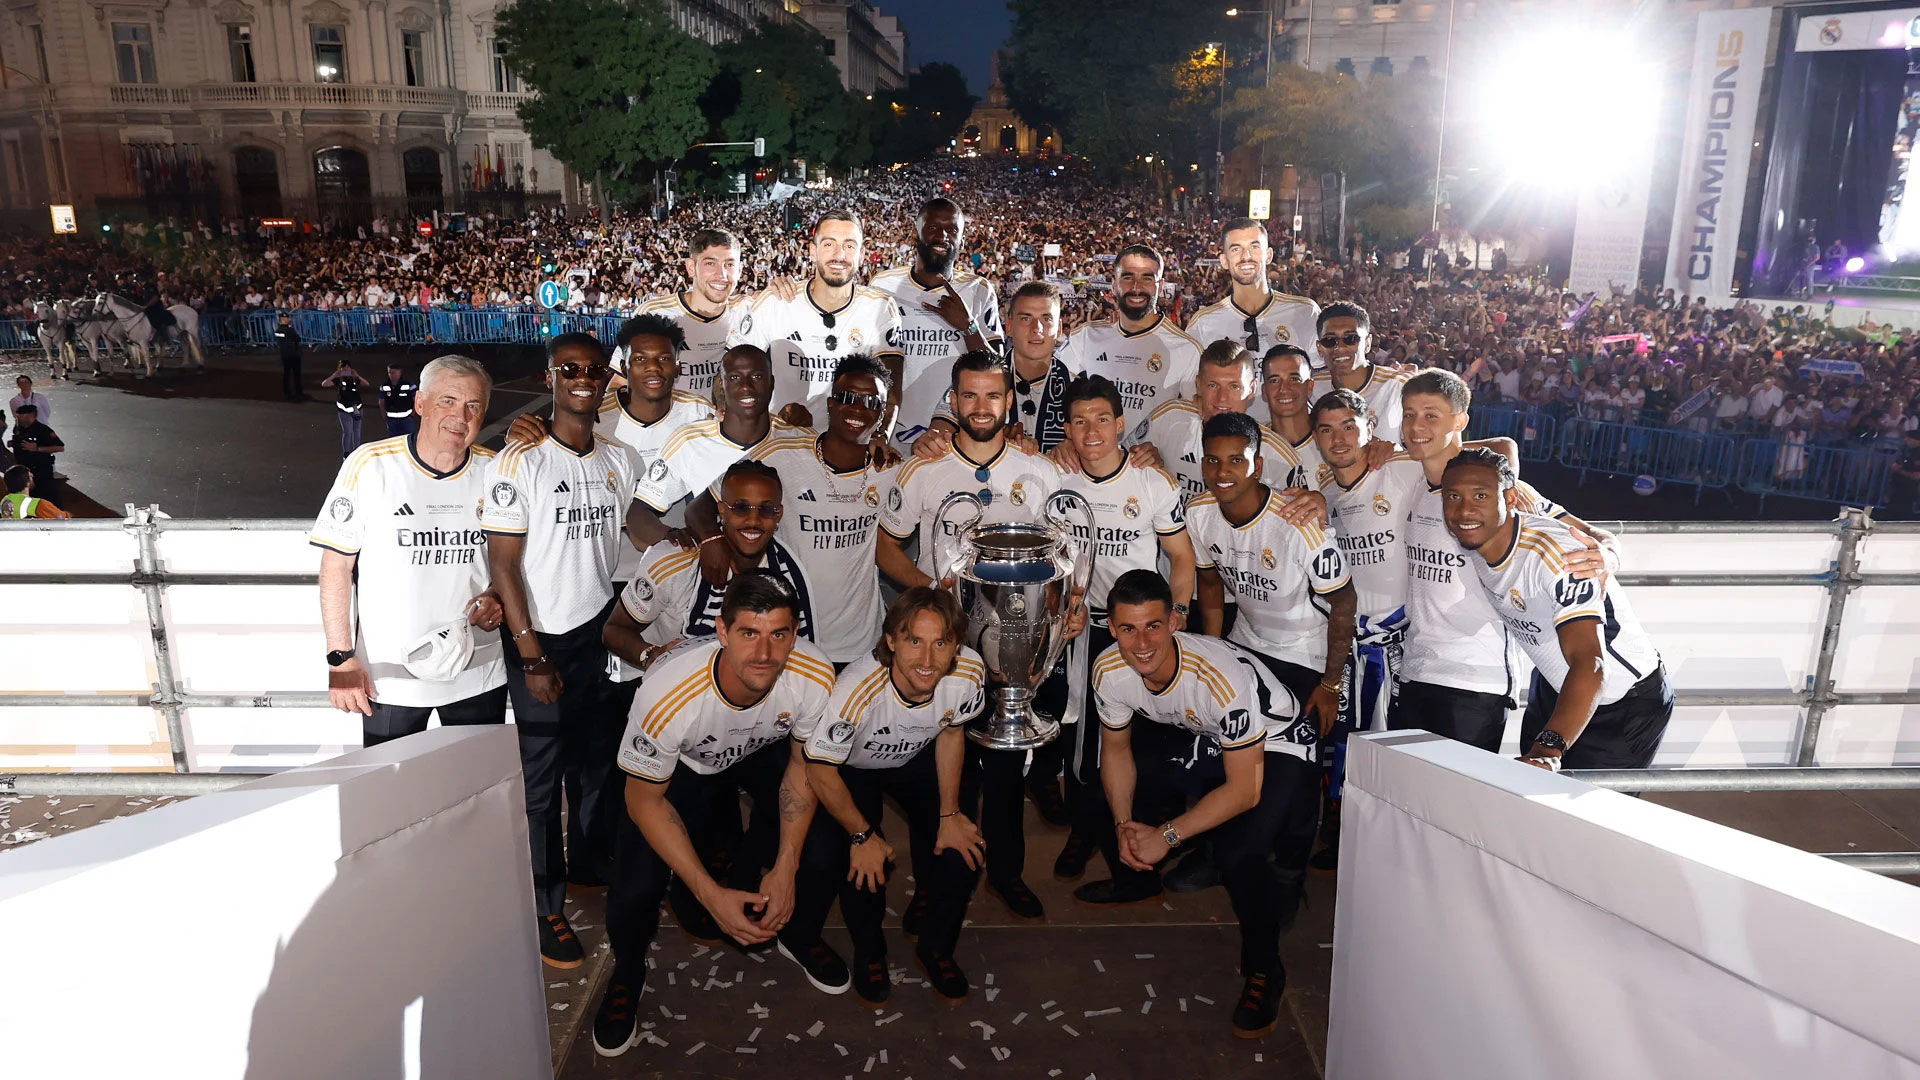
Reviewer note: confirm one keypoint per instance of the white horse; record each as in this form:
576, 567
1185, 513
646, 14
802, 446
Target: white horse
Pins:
130, 325
56, 333
97, 331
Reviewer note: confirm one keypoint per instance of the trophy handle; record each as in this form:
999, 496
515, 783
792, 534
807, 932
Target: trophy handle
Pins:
946, 563
1059, 510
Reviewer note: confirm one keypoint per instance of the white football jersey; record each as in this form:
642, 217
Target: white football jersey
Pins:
421, 558
1285, 318
680, 715
671, 598
1277, 571
646, 442
572, 509
831, 524
1174, 430
869, 725
930, 344
805, 349
1016, 488
1381, 392
1453, 636
1369, 522
694, 458
1219, 693
1149, 366
1132, 509
1534, 594
706, 338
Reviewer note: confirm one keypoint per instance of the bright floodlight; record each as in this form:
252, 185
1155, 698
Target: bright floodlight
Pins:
1557, 107
1856, 264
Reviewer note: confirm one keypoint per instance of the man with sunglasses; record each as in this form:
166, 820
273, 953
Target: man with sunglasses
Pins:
834, 316
943, 312
1251, 312
1149, 359
552, 515
1015, 486
1345, 331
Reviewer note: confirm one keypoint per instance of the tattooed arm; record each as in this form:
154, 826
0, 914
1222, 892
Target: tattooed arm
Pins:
796, 815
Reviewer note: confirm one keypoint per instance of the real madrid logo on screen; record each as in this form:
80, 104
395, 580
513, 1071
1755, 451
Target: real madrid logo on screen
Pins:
1830, 32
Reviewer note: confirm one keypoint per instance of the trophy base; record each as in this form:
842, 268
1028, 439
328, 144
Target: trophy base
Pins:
1024, 731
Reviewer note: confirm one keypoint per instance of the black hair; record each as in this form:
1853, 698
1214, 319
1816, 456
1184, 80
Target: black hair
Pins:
981, 360
1343, 309
1442, 383
576, 337
653, 326
1232, 425
862, 364
18, 478
1094, 388
1479, 457
1340, 398
1141, 250
936, 203
1140, 587
835, 215
747, 468
759, 592
1240, 223
1282, 349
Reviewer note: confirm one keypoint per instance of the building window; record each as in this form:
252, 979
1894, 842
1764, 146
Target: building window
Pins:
1381, 66
828, 45
413, 56
504, 80
39, 49
329, 54
133, 52
240, 52
1421, 66
1344, 66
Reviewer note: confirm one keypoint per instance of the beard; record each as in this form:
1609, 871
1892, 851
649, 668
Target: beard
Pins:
993, 428
1135, 306
933, 262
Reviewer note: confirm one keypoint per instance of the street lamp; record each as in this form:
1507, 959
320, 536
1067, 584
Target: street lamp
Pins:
1219, 49
1268, 12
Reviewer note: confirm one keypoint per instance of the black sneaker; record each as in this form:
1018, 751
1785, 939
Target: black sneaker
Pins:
1258, 1011
1047, 800
823, 967
1018, 898
871, 982
915, 916
1195, 872
943, 975
614, 1029
693, 916
1074, 855
558, 947
1109, 891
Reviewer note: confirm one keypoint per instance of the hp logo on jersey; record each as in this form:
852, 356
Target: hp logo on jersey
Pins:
1572, 591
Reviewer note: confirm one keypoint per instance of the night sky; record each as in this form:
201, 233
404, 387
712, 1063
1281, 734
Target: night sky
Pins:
963, 33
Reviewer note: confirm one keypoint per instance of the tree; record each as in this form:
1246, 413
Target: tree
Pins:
1380, 133
777, 84
619, 85
924, 116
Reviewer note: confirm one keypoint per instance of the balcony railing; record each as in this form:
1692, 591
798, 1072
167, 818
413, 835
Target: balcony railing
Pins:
258, 95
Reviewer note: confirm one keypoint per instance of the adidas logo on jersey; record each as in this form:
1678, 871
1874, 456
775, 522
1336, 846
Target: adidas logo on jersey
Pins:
404, 511
564, 489
1189, 459
807, 496
794, 337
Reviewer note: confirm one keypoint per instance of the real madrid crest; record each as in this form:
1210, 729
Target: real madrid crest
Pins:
613, 483
1513, 597
1154, 363
1381, 506
1267, 560
783, 723
856, 339
1132, 509
1018, 494
873, 495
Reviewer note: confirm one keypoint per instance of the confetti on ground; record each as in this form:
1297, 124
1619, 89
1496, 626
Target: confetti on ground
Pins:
559, 1006
1068, 1028
791, 1037
1144, 1006
1099, 967
666, 1012
869, 1065
759, 1012
1020, 1017
746, 1049
1166, 905
1150, 992
1143, 956
957, 1063
986, 1030
818, 1027
989, 978
883, 1055
1258, 1058
1055, 1015
842, 1049
555, 986
992, 992
670, 979
695, 1048
1101, 1012
1203, 1000
754, 1036
1046, 1004
1001, 1053
1183, 1004
1053, 1072
886, 1019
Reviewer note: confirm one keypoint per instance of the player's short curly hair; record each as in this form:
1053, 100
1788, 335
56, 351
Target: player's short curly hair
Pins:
1479, 457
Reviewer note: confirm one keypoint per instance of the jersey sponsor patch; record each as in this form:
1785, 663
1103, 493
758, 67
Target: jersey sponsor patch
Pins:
1235, 725
1570, 591
642, 745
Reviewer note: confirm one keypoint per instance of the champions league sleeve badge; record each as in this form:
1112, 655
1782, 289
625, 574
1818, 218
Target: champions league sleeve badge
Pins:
341, 510
504, 495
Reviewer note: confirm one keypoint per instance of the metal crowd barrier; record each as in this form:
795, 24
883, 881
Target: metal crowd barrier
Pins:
1536, 432
370, 327
1807, 471
1669, 455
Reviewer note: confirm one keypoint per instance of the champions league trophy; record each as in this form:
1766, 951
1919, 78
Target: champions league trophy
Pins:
1015, 581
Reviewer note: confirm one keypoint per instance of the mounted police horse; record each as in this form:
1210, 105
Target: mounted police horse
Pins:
56, 334
132, 326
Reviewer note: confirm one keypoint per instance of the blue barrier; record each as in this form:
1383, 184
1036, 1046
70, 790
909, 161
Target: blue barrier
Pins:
1535, 431
1668, 455
1821, 473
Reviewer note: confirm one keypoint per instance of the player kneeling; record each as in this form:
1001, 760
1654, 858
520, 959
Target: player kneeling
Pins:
1263, 778
895, 726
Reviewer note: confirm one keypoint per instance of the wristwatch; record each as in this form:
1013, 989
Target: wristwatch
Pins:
1551, 739
1170, 834
860, 837
1180, 609
336, 657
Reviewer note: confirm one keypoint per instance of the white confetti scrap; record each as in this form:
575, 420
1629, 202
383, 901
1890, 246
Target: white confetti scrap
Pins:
818, 1027
1019, 1018
1101, 1012
1143, 956
791, 1037
1055, 1015
842, 1049
1203, 1000
886, 1019
695, 1048
746, 1049
1150, 992
559, 1006
1068, 1028
1046, 1004
1144, 1006
754, 1036
1099, 967
957, 1063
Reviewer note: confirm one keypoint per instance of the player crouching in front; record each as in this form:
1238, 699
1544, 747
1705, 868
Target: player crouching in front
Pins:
896, 725
1243, 798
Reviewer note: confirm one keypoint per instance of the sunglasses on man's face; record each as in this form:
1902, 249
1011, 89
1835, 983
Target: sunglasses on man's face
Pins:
864, 401
571, 370
1328, 341
742, 508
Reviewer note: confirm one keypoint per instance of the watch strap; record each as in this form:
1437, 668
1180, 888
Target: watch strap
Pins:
1170, 834
861, 837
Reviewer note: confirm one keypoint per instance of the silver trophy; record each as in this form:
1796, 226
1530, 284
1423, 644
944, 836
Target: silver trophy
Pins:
1015, 581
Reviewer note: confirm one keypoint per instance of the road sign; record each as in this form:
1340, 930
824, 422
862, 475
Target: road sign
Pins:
1299, 223
551, 294
1260, 204
63, 220
426, 228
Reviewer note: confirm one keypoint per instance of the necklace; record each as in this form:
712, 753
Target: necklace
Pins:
835, 477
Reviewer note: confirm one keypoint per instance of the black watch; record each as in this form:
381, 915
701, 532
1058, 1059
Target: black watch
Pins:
1551, 739
336, 657
860, 837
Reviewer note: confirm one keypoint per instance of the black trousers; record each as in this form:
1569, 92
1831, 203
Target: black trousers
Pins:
997, 777
389, 722
580, 731
1294, 844
590, 854
290, 387
1623, 735
641, 876
945, 880
1468, 716
1289, 789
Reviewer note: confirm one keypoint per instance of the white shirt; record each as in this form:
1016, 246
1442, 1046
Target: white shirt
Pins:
572, 509
1277, 571
706, 337
1284, 318
1018, 485
1219, 692
1149, 366
1369, 523
1453, 636
671, 598
680, 715
1174, 430
930, 344
421, 558
1132, 509
830, 525
1381, 392
42, 410
646, 441
1534, 594
696, 456
805, 350
869, 724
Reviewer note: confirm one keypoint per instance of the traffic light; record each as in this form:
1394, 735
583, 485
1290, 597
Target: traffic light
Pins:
548, 266
759, 148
